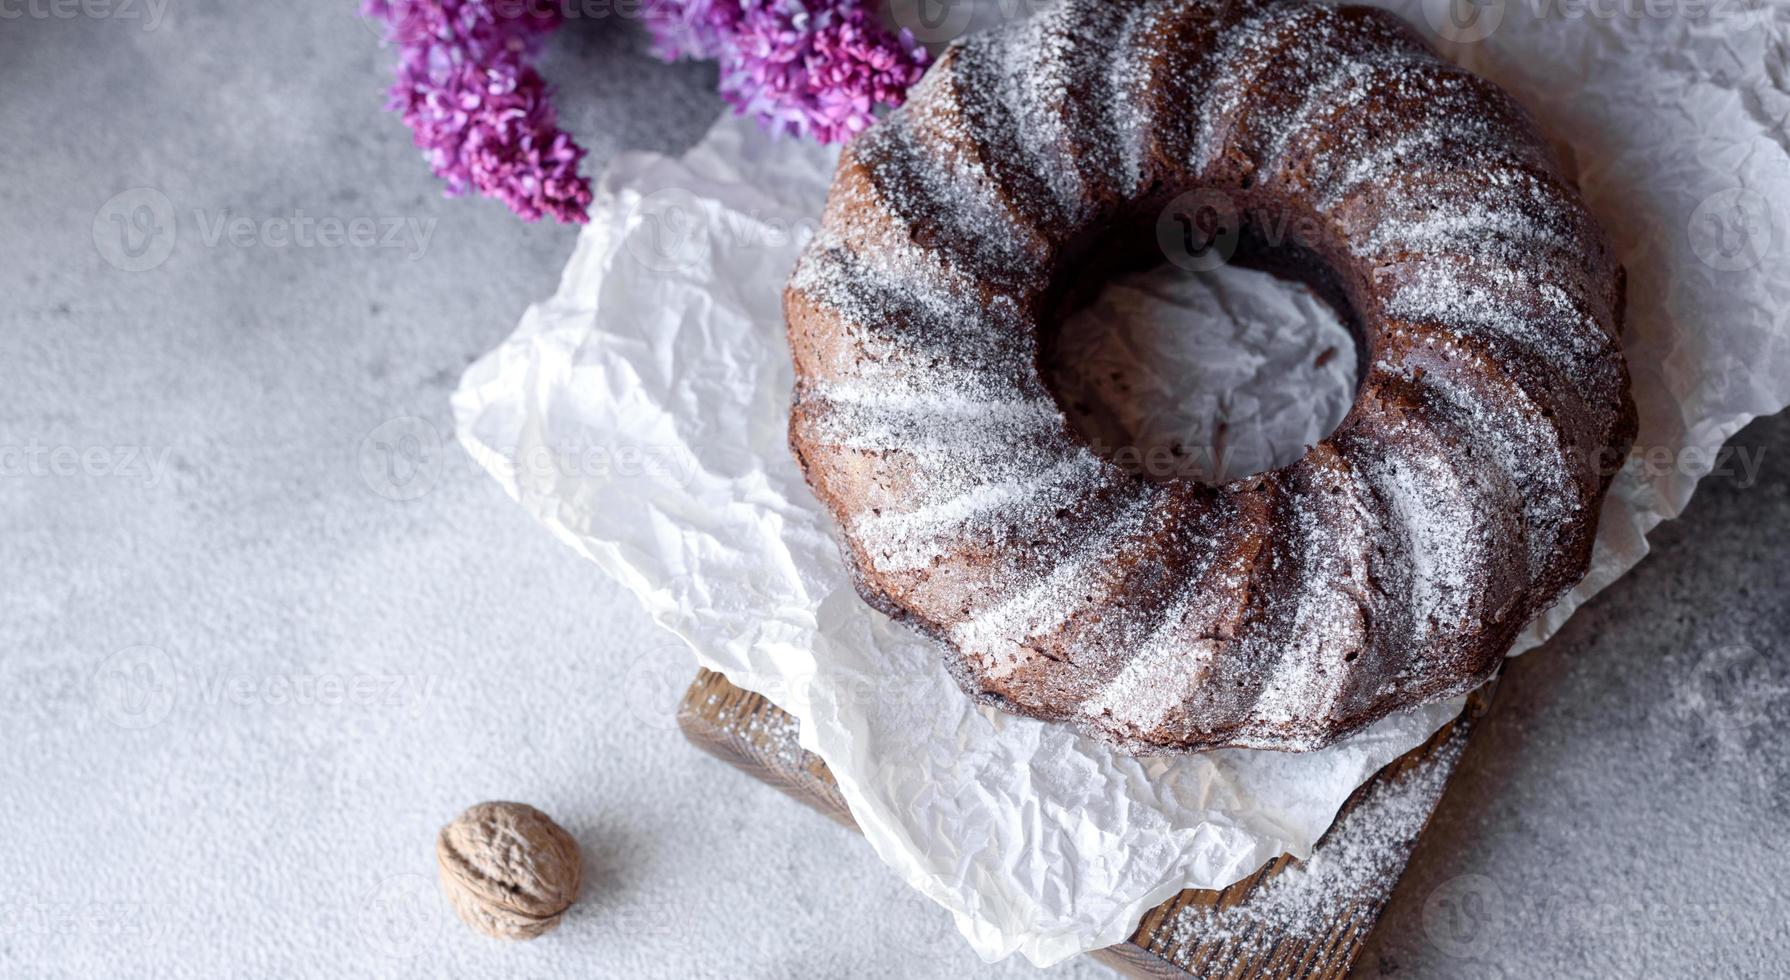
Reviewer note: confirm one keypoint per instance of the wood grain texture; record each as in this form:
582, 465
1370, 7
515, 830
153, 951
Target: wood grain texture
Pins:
1287, 920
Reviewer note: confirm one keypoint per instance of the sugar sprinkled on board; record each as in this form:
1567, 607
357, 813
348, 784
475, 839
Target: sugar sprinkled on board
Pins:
1356, 864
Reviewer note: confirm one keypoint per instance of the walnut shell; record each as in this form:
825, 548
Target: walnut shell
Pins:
508, 869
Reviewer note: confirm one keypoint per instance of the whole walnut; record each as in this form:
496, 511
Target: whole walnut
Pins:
508, 869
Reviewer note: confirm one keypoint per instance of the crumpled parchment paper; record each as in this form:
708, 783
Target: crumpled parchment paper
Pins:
640, 414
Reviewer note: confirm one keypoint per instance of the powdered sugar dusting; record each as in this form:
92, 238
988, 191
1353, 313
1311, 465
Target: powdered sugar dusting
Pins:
1520, 450
936, 420
1126, 103
1161, 678
996, 632
1035, 96
1349, 81
1499, 301
1454, 228
976, 510
1241, 54
1311, 673
1423, 494
1424, 113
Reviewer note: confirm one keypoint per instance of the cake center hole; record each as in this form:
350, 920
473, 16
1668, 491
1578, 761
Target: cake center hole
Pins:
1209, 376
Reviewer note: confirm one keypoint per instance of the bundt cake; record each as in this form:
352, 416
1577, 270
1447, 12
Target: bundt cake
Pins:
1395, 562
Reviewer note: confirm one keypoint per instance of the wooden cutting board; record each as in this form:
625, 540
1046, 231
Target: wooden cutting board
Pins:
1287, 920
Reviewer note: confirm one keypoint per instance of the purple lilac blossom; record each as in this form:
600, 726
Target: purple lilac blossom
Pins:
812, 68
479, 110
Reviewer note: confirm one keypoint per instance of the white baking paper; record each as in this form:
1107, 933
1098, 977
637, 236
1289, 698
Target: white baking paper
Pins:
640, 414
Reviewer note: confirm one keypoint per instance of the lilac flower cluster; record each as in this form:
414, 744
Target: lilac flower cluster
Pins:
814, 68
479, 110
482, 114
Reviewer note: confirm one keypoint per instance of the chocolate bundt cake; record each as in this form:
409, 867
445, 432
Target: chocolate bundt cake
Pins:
1396, 561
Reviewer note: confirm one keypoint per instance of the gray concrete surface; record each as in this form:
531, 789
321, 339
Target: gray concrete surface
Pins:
240, 687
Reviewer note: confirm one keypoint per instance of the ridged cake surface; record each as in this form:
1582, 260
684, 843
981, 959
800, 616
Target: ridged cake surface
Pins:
1395, 562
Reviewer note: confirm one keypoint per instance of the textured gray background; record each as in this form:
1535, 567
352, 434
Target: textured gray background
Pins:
240, 692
